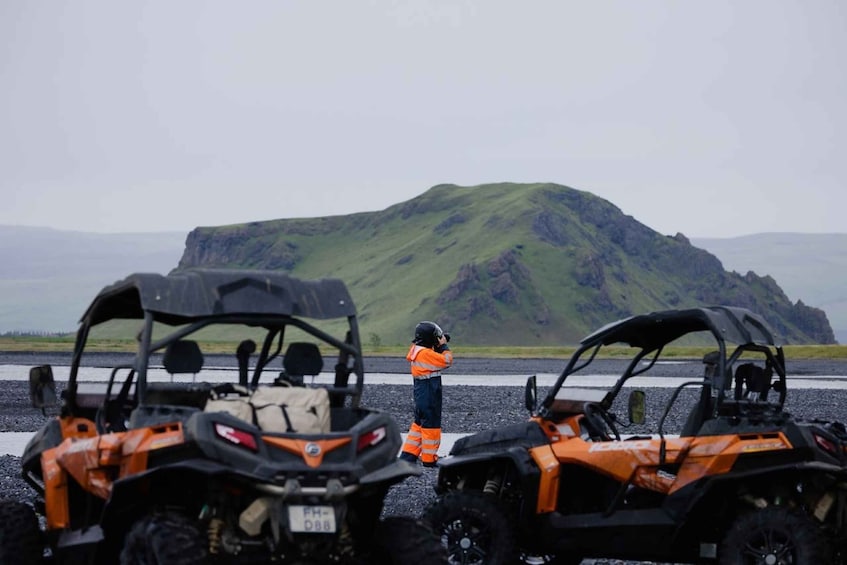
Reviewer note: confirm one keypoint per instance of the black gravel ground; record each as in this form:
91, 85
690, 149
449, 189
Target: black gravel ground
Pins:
466, 408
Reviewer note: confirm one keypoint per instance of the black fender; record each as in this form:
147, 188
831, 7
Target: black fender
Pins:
513, 466
183, 476
460, 465
694, 498
186, 478
473, 458
48, 437
524, 435
391, 474
472, 471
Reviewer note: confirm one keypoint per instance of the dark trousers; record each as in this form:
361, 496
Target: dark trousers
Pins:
427, 395
424, 437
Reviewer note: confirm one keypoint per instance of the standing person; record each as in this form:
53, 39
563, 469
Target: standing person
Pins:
428, 356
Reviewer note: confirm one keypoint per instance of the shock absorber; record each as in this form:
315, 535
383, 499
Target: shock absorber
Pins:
345, 540
214, 531
493, 482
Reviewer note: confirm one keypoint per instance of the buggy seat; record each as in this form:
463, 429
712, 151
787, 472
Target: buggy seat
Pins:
169, 402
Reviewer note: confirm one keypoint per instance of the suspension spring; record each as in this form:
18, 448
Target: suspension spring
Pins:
492, 485
215, 527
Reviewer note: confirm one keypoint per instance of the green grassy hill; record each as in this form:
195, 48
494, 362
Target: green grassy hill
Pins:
500, 264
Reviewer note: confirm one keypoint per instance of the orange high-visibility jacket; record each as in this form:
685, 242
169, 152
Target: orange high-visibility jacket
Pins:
426, 362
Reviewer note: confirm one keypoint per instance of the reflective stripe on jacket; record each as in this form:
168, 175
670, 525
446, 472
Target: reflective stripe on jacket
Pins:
426, 362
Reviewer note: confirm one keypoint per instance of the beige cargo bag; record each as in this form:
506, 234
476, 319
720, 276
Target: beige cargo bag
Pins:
290, 409
238, 407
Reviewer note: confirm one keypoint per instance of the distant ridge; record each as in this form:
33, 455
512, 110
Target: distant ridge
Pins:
811, 267
48, 277
501, 264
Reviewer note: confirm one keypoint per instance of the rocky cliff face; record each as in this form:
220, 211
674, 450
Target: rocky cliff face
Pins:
551, 262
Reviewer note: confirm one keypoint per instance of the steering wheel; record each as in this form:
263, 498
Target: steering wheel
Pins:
600, 422
112, 414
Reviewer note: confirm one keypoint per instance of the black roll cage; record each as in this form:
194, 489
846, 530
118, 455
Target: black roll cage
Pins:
726, 324
192, 299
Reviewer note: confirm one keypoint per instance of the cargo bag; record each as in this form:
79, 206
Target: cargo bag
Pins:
238, 407
289, 409
292, 409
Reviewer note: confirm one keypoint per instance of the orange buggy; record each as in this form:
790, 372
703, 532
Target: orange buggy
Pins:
167, 460
741, 482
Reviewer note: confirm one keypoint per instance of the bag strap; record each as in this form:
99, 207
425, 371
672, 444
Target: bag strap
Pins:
221, 391
287, 420
290, 428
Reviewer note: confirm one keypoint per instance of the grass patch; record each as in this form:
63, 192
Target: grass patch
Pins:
65, 344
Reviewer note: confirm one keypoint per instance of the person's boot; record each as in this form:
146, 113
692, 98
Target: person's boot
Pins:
408, 457
433, 463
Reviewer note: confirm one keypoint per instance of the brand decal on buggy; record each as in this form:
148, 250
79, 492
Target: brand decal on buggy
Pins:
311, 519
566, 430
165, 442
764, 446
665, 476
620, 446
313, 449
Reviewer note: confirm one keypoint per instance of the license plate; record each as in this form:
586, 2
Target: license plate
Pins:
312, 519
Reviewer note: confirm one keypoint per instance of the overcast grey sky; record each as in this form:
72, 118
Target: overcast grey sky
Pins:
711, 118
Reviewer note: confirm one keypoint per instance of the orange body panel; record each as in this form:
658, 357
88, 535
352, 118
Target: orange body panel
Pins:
298, 447
77, 427
136, 446
548, 487
95, 462
637, 462
55, 492
713, 455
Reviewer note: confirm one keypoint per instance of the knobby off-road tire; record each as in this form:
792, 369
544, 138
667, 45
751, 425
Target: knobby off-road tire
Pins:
164, 538
20, 537
774, 535
474, 528
401, 540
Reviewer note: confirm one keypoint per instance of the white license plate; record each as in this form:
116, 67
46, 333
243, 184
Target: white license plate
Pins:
312, 519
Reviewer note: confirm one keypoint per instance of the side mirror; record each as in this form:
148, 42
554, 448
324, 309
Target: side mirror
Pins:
636, 407
42, 387
531, 395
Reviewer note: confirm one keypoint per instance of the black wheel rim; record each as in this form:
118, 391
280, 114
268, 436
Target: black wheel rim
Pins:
769, 547
466, 541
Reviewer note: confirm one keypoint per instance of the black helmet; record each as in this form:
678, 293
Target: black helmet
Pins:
427, 334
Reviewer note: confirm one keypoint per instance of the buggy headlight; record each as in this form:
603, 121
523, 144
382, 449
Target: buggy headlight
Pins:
237, 437
826, 445
371, 438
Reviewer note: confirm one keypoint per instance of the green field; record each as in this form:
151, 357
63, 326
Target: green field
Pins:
65, 344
